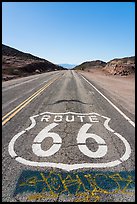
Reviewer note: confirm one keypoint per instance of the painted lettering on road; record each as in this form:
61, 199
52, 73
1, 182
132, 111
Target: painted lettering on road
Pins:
87, 127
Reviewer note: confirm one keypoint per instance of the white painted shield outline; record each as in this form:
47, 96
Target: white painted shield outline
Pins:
69, 167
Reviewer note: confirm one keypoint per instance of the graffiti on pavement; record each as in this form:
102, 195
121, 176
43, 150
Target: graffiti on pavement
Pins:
84, 184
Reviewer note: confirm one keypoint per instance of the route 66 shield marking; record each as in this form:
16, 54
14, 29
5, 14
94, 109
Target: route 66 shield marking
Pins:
86, 121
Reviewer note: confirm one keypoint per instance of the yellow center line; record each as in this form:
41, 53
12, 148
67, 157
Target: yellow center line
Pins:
24, 103
21, 104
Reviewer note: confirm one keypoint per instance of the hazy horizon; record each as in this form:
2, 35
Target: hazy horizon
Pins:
69, 65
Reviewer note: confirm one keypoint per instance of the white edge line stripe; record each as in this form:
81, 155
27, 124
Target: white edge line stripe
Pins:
24, 82
14, 85
129, 120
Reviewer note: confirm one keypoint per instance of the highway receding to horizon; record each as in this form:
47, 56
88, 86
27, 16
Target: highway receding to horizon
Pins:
65, 138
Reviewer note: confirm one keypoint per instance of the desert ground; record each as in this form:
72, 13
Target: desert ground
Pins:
120, 88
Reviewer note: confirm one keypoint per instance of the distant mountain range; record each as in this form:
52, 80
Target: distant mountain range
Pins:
68, 66
19, 64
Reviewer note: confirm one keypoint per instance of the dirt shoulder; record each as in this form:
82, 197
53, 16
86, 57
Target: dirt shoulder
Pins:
120, 88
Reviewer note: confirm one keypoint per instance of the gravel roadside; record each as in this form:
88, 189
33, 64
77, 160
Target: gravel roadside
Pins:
120, 88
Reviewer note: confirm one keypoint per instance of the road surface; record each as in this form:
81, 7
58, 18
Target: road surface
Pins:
64, 140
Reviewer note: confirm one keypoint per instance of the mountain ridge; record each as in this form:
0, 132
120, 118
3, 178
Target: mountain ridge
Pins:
16, 64
93, 64
116, 66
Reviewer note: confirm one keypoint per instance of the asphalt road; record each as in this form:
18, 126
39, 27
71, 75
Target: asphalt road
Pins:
64, 140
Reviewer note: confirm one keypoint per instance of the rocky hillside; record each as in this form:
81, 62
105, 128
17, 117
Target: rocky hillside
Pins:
90, 65
121, 66
19, 64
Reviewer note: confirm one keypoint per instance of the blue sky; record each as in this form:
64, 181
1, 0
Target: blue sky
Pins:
70, 32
